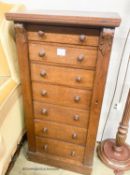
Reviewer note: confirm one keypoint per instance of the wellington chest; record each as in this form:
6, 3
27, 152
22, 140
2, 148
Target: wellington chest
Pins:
63, 61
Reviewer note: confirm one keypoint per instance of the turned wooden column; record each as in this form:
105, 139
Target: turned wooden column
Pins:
115, 153
123, 127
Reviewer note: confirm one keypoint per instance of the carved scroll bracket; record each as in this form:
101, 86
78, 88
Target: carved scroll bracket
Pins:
106, 40
20, 29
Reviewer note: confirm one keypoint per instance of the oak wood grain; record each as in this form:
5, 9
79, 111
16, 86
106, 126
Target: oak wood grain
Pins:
62, 76
68, 35
61, 95
72, 53
60, 148
87, 38
61, 162
104, 51
80, 18
22, 48
61, 132
60, 114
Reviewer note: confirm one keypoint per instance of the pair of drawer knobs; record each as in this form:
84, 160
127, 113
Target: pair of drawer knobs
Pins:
76, 98
42, 53
45, 148
44, 111
74, 135
82, 37
43, 73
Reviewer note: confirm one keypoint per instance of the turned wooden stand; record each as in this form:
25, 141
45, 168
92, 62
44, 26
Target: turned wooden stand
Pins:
115, 153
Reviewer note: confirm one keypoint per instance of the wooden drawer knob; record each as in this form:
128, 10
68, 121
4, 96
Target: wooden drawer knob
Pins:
44, 111
82, 37
78, 79
43, 92
74, 136
76, 117
42, 53
80, 58
45, 147
43, 73
73, 153
41, 33
45, 130
77, 98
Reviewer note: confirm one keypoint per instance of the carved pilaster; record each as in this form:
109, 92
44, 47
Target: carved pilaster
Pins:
105, 44
23, 57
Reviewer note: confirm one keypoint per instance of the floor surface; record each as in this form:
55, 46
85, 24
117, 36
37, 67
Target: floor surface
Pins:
24, 167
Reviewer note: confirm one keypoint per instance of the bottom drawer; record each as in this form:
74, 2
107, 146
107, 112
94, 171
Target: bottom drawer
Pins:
59, 148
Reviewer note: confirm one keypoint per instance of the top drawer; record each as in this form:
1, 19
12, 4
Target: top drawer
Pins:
80, 36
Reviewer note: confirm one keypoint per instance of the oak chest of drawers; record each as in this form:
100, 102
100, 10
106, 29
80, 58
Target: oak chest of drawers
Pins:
63, 59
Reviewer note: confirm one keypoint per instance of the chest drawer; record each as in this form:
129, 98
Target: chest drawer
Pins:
61, 132
61, 95
59, 148
77, 56
62, 75
68, 35
61, 114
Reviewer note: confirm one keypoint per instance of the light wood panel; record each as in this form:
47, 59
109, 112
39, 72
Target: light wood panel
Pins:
59, 148
61, 95
60, 114
64, 35
77, 56
62, 76
61, 132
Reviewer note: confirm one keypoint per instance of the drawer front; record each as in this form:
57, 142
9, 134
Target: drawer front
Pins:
61, 54
62, 76
59, 148
80, 36
61, 95
61, 132
61, 114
